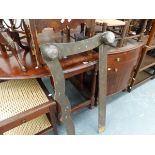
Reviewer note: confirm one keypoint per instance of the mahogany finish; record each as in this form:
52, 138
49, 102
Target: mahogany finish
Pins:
63, 31
120, 68
121, 61
118, 75
59, 24
10, 69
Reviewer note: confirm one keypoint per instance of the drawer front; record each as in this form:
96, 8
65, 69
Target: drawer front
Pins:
123, 57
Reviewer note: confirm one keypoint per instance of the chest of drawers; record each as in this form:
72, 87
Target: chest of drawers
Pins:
120, 66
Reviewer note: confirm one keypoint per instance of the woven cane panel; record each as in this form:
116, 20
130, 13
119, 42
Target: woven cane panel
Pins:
110, 22
30, 128
17, 96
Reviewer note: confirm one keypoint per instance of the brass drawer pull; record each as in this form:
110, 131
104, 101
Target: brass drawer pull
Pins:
23, 121
109, 69
118, 59
116, 69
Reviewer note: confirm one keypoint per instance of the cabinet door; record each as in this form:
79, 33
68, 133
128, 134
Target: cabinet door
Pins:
120, 67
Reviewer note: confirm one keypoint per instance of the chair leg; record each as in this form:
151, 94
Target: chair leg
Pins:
142, 30
58, 114
51, 80
60, 94
93, 87
102, 87
81, 81
53, 119
104, 27
66, 116
3, 50
153, 74
124, 34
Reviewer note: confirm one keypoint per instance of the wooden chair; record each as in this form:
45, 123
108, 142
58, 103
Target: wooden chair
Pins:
63, 31
121, 29
19, 32
26, 107
58, 31
10, 44
53, 52
23, 108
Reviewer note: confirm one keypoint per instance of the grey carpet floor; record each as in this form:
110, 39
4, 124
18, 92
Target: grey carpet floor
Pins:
127, 113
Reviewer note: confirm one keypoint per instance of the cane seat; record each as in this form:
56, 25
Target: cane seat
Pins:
19, 96
31, 128
110, 22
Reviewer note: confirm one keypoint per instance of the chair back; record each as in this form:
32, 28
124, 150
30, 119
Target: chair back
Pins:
59, 31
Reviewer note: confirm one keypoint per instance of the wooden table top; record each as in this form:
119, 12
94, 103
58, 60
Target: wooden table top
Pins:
10, 69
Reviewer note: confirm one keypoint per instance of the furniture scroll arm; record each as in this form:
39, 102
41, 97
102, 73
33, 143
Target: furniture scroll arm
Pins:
50, 54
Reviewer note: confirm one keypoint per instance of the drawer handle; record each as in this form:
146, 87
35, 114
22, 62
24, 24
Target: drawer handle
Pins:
118, 59
23, 121
109, 69
116, 69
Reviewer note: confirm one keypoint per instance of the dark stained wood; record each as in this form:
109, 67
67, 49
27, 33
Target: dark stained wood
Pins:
10, 69
121, 63
127, 55
79, 106
23, 117
64, 31
119, 75
59, 24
